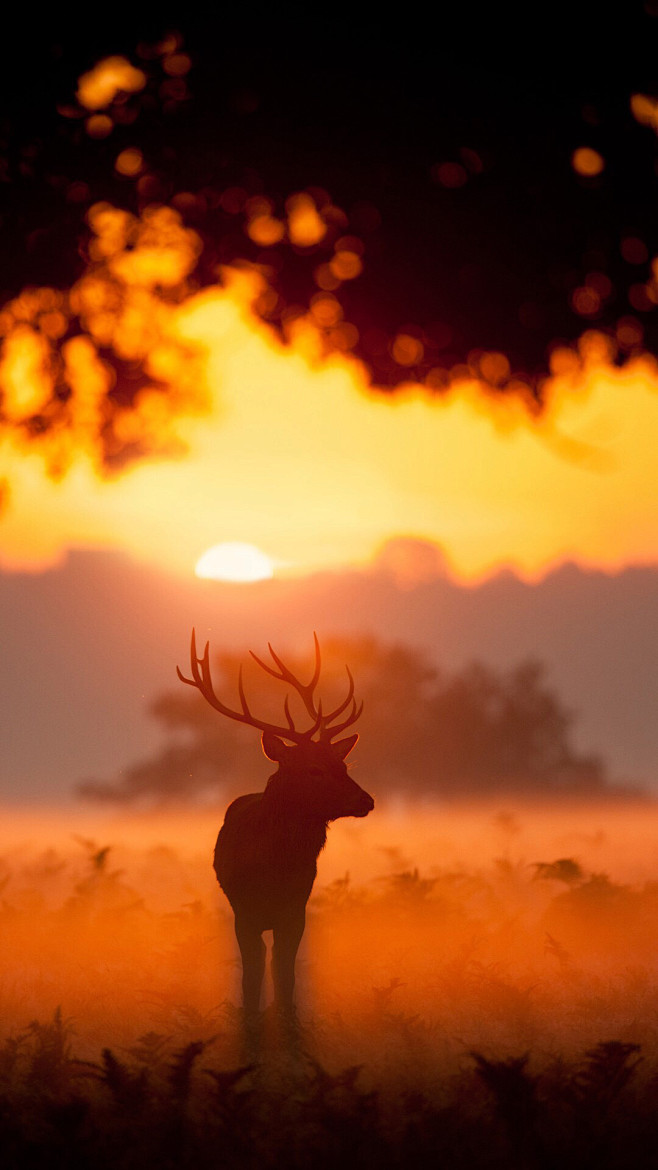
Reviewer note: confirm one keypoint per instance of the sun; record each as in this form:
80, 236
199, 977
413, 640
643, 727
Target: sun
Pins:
234, 561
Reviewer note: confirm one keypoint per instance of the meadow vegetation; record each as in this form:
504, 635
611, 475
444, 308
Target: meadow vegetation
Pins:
476, 986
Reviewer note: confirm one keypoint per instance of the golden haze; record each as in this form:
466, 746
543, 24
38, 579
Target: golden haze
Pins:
445, 909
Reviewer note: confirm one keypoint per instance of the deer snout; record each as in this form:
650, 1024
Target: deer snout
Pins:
364, 805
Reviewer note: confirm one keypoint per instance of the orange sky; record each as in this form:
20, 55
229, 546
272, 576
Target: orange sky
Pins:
286, 449
299, 457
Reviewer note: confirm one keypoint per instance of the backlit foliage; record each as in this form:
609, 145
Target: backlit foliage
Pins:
173, 298
96, 369
97, 372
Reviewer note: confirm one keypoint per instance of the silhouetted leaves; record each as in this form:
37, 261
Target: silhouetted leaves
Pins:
289, 1116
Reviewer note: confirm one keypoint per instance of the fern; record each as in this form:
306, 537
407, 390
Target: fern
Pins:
128, 1089
180, 1070
606, 1071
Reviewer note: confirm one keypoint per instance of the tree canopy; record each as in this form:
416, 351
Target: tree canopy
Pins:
423, 732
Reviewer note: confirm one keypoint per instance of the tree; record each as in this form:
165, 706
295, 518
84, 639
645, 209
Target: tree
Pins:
507, 732
423, 732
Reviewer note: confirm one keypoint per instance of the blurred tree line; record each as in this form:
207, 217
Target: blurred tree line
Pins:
423, 732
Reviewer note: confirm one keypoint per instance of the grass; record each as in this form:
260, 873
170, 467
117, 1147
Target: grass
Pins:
498, 1012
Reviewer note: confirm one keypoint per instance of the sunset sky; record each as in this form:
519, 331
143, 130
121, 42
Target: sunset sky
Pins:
298, 456
224, 322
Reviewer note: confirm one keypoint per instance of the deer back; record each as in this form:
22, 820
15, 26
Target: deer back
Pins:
267, 849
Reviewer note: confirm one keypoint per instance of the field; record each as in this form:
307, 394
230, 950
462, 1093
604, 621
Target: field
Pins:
477, 985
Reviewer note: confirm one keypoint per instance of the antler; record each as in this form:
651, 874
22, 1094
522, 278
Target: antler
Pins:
201, 679
305, 691
327, 732
284, 674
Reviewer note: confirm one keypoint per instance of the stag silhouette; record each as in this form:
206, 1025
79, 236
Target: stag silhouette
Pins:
267, 849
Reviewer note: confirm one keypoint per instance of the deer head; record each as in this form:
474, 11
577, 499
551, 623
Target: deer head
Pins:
312, 775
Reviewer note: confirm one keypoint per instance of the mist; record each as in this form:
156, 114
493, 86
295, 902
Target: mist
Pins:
118, 922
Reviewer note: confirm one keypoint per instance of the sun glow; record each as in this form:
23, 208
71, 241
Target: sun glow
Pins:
282, 445
234, 561
286, 448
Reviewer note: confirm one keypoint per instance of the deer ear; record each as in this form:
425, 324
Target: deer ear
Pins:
343, 748
274, 748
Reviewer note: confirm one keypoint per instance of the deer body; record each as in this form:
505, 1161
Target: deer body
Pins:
267, 849
264, 860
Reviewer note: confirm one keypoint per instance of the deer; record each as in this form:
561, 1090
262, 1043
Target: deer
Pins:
267, 849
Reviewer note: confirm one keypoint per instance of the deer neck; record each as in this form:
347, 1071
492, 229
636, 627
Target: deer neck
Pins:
298, 827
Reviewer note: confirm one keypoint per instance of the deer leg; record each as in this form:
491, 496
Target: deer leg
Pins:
252, 950
287, 937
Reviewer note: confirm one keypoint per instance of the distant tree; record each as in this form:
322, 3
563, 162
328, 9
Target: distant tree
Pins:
507, 731
202, 754
423, 732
